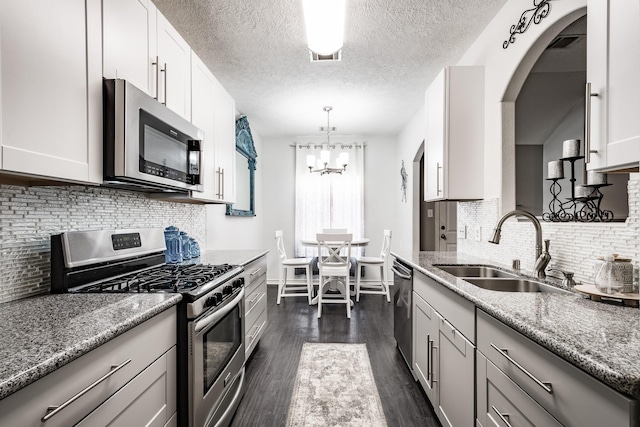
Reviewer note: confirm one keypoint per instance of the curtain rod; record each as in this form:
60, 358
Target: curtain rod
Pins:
333, 145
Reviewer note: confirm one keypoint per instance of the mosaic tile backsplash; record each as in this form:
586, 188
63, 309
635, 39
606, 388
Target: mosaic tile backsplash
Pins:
30, 215
574, 246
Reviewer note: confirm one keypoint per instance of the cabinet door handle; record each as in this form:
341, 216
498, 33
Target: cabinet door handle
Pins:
157, 65
255, 272
587, 124
164, 70
53, 410
431, 374
219, 173
544, 384
503, 417
222, 185
254, 299
438, 168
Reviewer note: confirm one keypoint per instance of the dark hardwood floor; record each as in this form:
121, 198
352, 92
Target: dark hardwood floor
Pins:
271, 371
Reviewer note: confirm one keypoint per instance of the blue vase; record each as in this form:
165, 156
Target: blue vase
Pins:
173, 242
186, 245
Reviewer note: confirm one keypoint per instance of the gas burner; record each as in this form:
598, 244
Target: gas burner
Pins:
164, 278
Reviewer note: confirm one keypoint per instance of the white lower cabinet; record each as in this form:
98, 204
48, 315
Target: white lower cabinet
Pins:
568, 394
128, 381
443, 361
255, 303
500, 402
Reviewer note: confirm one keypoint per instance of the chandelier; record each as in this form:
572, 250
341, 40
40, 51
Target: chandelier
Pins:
322, 164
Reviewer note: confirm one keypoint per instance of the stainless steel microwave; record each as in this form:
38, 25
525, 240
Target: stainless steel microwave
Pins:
148, 147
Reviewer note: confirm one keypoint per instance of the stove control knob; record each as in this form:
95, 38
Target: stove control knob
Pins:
209, 302
217, 297
227, 290
238, 283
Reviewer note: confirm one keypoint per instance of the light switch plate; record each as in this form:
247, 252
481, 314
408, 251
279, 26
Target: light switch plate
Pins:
462, 232
478, 234
429, 213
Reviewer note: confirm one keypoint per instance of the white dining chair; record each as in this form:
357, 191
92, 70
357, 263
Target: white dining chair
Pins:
334, 253
381, 287
334, 230
286, 264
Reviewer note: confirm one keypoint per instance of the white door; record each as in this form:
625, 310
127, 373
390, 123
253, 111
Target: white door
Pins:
446, 221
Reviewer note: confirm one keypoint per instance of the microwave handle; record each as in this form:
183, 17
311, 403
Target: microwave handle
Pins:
194, 159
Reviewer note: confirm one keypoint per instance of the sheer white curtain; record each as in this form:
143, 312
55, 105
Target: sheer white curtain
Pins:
330, 200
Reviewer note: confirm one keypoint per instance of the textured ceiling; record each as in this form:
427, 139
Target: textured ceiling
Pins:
392, 50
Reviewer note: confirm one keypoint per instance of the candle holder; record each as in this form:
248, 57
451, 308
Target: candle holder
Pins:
578, 207
557, 212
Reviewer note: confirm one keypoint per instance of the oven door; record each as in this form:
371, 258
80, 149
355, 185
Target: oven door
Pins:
216, 365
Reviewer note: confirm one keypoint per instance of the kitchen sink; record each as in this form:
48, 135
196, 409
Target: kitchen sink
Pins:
513, 285
474, 271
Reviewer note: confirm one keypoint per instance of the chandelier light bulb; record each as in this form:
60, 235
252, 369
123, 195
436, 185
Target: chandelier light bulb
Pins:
311, 161
325, 155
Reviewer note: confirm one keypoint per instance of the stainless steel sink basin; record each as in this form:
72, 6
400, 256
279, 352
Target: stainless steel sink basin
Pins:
474, 271
513, 285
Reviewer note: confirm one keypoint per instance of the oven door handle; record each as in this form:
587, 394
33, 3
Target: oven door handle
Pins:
214, 317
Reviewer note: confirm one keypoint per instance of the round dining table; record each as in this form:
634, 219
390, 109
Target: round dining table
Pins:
363, 241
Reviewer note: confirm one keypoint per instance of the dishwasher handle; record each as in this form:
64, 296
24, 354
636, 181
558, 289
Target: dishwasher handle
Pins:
401, 271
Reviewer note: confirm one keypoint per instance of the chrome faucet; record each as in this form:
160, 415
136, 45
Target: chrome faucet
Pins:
542, 258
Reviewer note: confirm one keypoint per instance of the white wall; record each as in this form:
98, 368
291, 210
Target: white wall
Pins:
236, 232
406, 234
505, 72
381, 192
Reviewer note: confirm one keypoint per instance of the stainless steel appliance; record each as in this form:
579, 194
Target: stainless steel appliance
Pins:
146, 145
210, 348
402, 316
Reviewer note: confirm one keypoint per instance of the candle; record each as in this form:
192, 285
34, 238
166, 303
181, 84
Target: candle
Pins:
596, 178
555, 169
582, 191
571, 148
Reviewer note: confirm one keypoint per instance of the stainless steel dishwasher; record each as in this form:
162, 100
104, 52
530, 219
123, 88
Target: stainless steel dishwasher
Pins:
402, 316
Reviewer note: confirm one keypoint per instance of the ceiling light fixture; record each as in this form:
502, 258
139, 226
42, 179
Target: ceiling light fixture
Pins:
322, 164
324, 21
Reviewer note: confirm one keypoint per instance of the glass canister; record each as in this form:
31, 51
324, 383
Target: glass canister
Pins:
186, 245
173, 242
614, 274
195, 247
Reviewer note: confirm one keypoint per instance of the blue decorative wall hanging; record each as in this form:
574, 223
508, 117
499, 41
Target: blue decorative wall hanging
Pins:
245, 147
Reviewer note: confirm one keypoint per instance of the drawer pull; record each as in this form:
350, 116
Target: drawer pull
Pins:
53, 410
255, 272
254, 299
544, 384
503, 417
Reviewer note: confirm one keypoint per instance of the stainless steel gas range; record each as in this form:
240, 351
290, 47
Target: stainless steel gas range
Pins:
210, 316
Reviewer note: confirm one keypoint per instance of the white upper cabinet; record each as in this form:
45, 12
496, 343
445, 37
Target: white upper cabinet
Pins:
51, 90
174, 56
225, 144
213, 111
454, 145
141, 46
613, 61
203, 85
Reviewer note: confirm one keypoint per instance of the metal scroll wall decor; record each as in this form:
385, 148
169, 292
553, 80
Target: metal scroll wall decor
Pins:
537, 13
585, 203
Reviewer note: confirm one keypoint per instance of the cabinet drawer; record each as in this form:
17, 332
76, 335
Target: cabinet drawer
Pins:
254, 305
255, 273
500, 399
255, 332
143, 401
133, 351
457, 310
569, 394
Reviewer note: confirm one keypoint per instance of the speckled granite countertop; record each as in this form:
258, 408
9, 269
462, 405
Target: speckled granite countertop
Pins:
236, 257
41, 334
602, 339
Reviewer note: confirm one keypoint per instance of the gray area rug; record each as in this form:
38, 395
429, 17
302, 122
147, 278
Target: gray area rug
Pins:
335, 387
